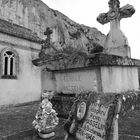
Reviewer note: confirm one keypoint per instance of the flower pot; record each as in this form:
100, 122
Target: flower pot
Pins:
45, 136
47, 133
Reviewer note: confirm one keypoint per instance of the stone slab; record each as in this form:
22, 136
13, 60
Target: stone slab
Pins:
119, 51
112, 60
99, 59
77, 81
103, 79
102, 72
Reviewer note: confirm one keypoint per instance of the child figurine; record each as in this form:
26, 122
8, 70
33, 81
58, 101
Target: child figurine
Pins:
46, 117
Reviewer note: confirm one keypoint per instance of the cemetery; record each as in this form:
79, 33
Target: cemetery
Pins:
88, 94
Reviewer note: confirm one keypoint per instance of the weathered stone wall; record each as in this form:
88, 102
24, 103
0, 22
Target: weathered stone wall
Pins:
119, 79
77, 81
102, 79
70, 82
27, 86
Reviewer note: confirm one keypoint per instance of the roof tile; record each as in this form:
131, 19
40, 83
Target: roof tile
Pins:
18, 31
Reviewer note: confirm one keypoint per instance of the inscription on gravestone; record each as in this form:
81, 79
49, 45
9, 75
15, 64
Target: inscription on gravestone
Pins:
94, 126
76, 82
91, 116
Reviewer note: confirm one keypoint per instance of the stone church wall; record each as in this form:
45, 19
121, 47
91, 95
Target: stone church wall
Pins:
27, 86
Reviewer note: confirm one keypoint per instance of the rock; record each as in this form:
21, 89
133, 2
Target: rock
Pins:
37, 16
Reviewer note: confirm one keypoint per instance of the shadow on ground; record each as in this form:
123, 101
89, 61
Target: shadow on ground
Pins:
16, 124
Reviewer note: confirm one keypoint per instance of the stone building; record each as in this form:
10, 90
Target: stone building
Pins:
22, 26
19, 79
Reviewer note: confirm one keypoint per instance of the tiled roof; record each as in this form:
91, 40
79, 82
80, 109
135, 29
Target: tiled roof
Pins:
18, 31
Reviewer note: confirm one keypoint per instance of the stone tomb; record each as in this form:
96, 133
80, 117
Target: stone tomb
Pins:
102, 73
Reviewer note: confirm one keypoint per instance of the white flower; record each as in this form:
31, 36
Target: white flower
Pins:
34, 122
53, 111
133, 107
124, 98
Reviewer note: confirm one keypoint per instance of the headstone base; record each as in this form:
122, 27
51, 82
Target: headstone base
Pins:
123, 51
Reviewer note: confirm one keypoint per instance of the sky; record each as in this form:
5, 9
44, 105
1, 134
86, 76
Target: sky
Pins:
86, 11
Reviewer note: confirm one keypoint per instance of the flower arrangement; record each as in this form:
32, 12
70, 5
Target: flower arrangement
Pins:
46, 117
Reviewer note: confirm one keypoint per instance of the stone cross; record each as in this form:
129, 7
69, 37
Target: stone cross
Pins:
46, 44
115, 37
48, 32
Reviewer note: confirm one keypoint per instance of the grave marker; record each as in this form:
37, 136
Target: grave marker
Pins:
116, 43
92, 116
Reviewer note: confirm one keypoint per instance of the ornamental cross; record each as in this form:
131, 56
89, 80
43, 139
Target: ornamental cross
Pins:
115, 12
114, 15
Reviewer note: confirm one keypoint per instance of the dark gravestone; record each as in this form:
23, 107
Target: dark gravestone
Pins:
91, 116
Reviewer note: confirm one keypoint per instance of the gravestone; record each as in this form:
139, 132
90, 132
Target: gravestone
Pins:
92, 116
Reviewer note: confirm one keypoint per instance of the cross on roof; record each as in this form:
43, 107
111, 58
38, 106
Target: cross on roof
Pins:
115, 12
